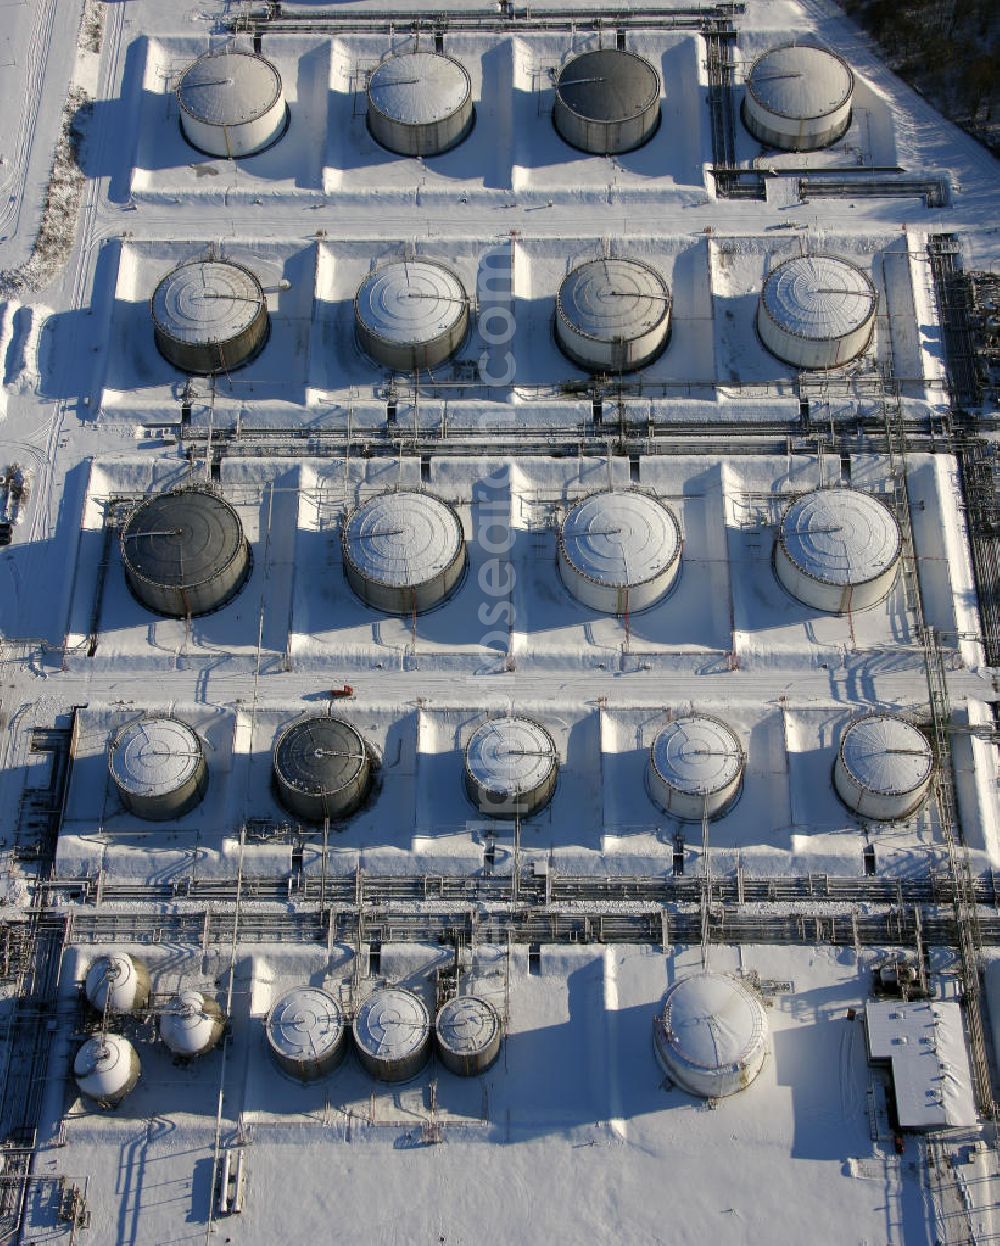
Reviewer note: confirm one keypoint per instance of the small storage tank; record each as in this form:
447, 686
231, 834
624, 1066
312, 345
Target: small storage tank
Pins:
184, 552
619, 551
468, 1035
420, 103
106, 1069
158, 768
306, 1033
511, 767
613, 315
404, 551
322, 768
607, 101
209, 316
191, 1024
884, 767
838, 550
411, 314
117, 982
711, 1035
392, 1034
695, 768
232, 104
817, 311
798, 98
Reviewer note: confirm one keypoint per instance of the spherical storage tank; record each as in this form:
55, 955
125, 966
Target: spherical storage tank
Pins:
306, 1033
619, 551
322, 768
231, 104
209, 316
817, 311
695, 768
711, 1035
613, 315
184, 552
798, 97
106, 1069
511, 767
158, 768
420, 103
392, 1034
884, 767
468, 1034
117, 983
411, 314
838, 550
403, 551
607, 101
191, 1024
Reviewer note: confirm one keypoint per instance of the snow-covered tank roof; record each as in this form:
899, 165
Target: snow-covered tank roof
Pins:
697, 754
229, 88
418, 88
403, 539
305, 1024
608, 85
319, 755
712, 1025
508, 756
410, 301
105, 1066
182, 538
800, 82
114, 981
840, 536
819, 297
467, 1025
614, 299
154, 756
885, 754
190, 1025
205, 301
620, 539
391, 1024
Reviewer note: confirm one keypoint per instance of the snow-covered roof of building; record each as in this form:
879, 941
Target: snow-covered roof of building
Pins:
614, 299
886, 754
608, 85
205, 301
620, 538
154, 756
840, 536
800, 82
402, 539
507, 756
229, 88
819, 297
410, 301
418, 88
697, 754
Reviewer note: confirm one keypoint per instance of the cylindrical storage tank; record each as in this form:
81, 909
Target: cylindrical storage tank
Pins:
117, 982
817, 311
392, 1034
184, 552
695, 768
613, 315
322, 768
619, 551
306, 1033
838, 550
106, 1069
884, 767
607, 101
158, 768
468, 1035
411, 314
209, 316
231, 104
798, 98
511, 767
192, 1024
711, 1035
403, 551
420, 103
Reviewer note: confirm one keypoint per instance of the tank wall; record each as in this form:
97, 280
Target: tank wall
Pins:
401, 1070
706, 1083
833, 598
393, 600
690, 806
421, 140
112, 1099
198, 599
409, 356
206, 358
810, 352
604, 138
792, 133
524, 804
165, 806
236, 140
309, 1070
469, 1064
622, 355
878, 805
316, 808
612, 600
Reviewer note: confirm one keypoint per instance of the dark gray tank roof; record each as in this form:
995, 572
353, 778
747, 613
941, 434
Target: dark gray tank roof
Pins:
319, 756
182, 538
610, 85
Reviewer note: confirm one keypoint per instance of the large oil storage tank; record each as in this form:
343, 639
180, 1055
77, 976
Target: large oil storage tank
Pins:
838, 550
404, 551
468, 1032
322, 768
106, 1069
884, 767
711, 1035
158, 768
306, 1032
209, 316
117, 982
191, 1024
798, 98
511, 767
411, 314
392, 1034
420, 103
619, 551
607, 101
817, 311
184, 552
232, 104
613, 315
695, 768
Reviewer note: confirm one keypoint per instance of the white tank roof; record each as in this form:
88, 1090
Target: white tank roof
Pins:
187, 1026
819, 297
403, 539
419, 88
113, 982
612, 299
154, 756
410, 301
207, 301
305, 1024
712, 1022
800, 82
697, 754
508, 756
391, 1024
467, 1025
840, 536
103, 1066
620, 539
886, 754
229, 88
